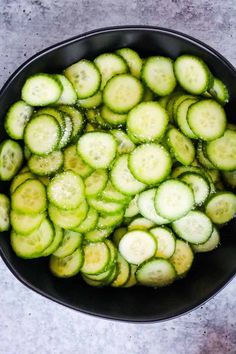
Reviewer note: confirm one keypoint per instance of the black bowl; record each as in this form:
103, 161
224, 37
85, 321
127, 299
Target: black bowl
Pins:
210, 271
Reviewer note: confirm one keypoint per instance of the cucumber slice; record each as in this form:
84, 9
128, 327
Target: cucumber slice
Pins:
210, 244
132, 277
122, 179
67, 133
73, 162
42, 134
150, 163
132, 59
106, 221
158, 75
59, 234
192, 74
199, 185
41, 90
29, 197
125, 145
97, 235
141, 224
123, 272
163, 101
230, 178
132, 209
122, 93
181, 117
84, 77
118, 234
105, 207
137, 246
178, 101
96, 258
147, 122
68, 95
109, 65
96, 182
24, 224
182, 258
19, 179
111, 117
165, 241
221, 207
66, 190
89, 223
11, 158
32, 245
17, 118
68, 266
97, 149
46, 165
101, 277
195, 227
91, 102
201, 156
76, 118
219, 91
147, 209
207, 119
181, 146
173, 199
4, 213
70, 242
222, 151
111, 194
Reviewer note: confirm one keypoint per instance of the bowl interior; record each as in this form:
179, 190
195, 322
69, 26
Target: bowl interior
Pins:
209, 272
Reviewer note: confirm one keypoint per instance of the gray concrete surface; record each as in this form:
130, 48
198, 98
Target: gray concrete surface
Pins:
30, 324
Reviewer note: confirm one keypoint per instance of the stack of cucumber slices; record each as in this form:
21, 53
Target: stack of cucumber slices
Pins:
126, 168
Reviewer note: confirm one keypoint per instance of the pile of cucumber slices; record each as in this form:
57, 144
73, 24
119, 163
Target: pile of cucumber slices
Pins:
121, 168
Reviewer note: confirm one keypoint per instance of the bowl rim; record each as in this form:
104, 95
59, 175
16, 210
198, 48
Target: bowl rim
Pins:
74, 39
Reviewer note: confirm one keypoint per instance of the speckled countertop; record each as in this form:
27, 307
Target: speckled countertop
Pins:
30, 324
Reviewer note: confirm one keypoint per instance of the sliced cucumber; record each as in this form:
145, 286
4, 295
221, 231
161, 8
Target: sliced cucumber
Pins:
147, 209
17, 118
96, 182
123, 272
70, 242
24, 224
182, 258
105, 207
46, 165
19, 179
219, 91
132, 209
221, 207
210, 244
125, 145
55, 243
199, 185
181, 146
201, 156
111, 117
118, 234
181, 117
68, 266
230, 178
73, 162
89, 223
91, 102
96, 258
106, 221
68, 95
141, 224
97, 235
132, 59
132, 277
165, 241
111, 194
76, 118
4, 213
11, 158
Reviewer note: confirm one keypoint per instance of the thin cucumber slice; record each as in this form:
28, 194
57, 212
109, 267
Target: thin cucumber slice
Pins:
111, 194
19, 179
163, 101
132, 209
105, 207
111, 117
32, 245
201, 156
94, 117
219, 91
42, 134
68, 266
68, 95
123, 180
96, 258
11, 158
55, 243
4, 213
109, 65
158, 75
97, 149
41, 90
221, 207
96, 182
132, 59
122, 93
181, 146
211, 244
113, 253
132, 277
70, 242
195, 227
141, 224
118, 234
125, 145
59, 116
173, 199
150, 163
84, 77
178, 101
24, 224
207, 119
192, 74
230, 178
182, 258
147, 209
29, 197
89, 223
147, 122
67, 133
77, 120
156, 273
222, 151
66, 190
199, 185
17, 118
91, 102
106, 221
165, 241
123, 272
68, 219
46, 165
97, 235
73, 162
101, 277
137, 246
181, 117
